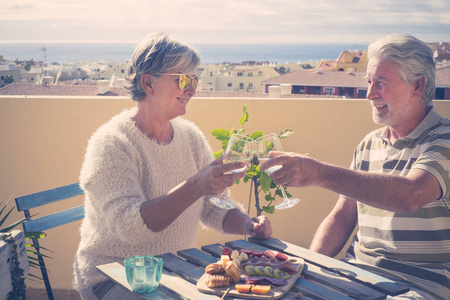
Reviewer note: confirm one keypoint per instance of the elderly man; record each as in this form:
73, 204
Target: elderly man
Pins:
398, 186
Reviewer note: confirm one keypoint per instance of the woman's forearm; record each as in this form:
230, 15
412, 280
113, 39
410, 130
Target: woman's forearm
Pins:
160, 212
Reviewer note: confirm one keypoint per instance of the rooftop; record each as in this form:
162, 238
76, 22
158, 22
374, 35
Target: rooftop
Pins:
318, 78
443, 77
303, 78
28, 89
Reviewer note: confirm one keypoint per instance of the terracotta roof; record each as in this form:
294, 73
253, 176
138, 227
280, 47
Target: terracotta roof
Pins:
326, 65
91, 90
229, 94
232, 94
57, 90
337, 79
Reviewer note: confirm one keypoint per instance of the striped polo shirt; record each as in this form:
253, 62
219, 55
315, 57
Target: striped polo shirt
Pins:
416, 245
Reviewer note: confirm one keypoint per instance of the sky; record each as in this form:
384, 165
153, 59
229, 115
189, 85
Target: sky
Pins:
223, 21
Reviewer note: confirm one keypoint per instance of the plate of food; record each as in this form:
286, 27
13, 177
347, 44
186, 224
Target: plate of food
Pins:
253, 275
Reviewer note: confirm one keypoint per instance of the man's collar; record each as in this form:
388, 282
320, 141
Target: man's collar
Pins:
432, 118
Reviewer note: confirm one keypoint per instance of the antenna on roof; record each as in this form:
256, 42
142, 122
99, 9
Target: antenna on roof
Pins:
44, 49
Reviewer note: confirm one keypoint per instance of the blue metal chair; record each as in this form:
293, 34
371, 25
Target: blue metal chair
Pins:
25, 203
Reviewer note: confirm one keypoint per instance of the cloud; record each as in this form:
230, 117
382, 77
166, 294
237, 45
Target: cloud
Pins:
233, 21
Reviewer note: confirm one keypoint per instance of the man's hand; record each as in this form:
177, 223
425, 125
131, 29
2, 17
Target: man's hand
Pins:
297, 170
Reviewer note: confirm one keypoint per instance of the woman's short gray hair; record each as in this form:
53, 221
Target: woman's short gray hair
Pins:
413, 56
158, 54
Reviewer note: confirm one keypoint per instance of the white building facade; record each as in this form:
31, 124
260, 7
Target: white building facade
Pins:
236, 78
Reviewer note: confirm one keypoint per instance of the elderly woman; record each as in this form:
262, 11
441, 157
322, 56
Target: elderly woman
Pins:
147, 174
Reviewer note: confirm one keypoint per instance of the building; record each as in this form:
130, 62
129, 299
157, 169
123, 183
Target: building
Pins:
441, 51
236, 78
69, 88
9, 73
354, 60
345, 84
103, 70
443, 83
33, 75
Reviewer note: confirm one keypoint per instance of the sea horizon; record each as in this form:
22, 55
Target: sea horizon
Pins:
63, 53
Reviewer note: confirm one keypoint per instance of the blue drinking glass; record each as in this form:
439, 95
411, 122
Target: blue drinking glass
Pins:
143, 272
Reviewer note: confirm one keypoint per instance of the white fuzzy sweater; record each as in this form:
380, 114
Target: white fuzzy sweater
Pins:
124, 168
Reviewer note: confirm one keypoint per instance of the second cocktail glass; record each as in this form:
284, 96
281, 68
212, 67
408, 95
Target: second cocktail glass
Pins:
239, 149
264, 145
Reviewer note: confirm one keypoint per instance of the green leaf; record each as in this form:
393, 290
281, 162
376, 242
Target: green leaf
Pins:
285, 133
39, 247
224, 144
217, 154
38, 254
31, 258
273, 185
35, 235
269, 209
5, 217
245, 115
34, 276
220, 134
265, 181
244, 118
253, 171
13, 225
4, 207
34, 264
279, 193
269, 197
256, 134
240, 131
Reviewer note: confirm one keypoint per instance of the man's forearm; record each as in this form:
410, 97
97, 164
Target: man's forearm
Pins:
336, 229
328, 240
384, 191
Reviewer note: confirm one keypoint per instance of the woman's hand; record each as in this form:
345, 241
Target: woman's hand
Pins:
216, 177
236, 222
260, 227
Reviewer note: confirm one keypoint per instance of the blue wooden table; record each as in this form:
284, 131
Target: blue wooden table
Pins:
322, 278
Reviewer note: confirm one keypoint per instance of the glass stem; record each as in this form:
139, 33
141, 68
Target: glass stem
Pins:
284, 193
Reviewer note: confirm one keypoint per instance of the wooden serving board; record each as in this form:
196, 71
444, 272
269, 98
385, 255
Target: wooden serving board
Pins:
274, 293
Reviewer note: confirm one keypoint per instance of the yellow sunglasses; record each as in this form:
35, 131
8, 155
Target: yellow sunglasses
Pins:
184, 80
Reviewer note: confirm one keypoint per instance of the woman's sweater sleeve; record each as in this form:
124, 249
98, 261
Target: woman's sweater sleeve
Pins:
212, 216
110, 179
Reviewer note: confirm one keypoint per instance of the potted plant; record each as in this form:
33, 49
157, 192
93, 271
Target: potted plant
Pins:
14, 255
260, 181
10, 251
